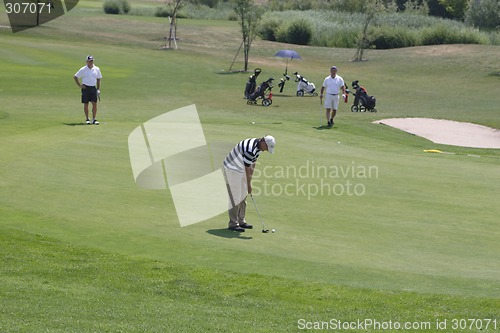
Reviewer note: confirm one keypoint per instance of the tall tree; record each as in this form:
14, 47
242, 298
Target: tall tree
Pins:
248, 17
436, 9
456, 8
483, 14
174, 6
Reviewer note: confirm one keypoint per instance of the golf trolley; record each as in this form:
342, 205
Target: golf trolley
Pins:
362, 101
263, 92
304, 86
252, 83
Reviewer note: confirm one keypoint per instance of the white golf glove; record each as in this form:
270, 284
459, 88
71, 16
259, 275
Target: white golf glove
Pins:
343, 96
98, 92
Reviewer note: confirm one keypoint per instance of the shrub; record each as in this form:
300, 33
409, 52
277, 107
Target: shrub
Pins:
281, 34
142, 11
299, 32
442, 34
208, 3
162, 12
111, 7
232, 17
268, 29
116, 7
391, 38
125, 6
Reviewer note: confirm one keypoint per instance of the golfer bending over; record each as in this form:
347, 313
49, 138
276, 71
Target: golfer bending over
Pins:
333, 84
238, 171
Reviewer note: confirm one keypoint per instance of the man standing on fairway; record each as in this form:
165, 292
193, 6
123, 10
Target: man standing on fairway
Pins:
238, 170
91, 85
333, 84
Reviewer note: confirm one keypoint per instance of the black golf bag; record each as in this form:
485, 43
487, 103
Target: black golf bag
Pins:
252, 83
362, 101
283, 80
263, 92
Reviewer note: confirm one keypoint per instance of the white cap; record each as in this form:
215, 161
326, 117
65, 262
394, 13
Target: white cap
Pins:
270, 142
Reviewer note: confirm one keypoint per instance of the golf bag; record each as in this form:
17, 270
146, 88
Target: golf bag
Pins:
263, 92
283, 80
362, 101
252, 83
304, 86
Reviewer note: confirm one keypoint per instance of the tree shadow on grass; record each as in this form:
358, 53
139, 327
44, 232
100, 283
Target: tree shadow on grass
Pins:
226, 233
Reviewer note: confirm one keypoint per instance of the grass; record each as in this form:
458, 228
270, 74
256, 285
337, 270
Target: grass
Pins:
80, 289
84, 249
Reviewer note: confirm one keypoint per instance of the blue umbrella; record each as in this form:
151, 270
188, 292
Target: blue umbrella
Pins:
291, 54
288, 54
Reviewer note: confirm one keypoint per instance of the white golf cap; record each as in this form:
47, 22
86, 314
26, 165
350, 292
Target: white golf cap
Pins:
270, 142
90, 58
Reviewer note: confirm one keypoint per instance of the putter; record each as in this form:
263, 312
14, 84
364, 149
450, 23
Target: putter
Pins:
320, 113
264, 230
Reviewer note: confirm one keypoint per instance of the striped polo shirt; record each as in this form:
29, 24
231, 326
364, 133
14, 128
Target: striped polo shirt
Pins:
243, 154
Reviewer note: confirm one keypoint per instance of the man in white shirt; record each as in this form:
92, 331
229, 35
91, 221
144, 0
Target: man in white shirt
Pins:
333, 84
90, 86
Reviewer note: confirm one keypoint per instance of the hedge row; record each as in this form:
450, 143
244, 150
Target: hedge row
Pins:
387, 31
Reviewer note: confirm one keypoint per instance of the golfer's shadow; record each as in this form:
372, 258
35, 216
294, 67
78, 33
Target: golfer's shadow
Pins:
75, 124
226, 233
322, 127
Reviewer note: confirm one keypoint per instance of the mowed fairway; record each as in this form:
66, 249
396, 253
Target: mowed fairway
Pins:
388, 233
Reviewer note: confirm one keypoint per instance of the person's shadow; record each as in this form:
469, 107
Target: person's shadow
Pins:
75, 124
323, 127
226, 233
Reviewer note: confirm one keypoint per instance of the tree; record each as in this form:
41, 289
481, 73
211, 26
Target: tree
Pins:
175, 6
456, 8
418, 7
484, 14
436, 9
372, 8
363, 41
248, 16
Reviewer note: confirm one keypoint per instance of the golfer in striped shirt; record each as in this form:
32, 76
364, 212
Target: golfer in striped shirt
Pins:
238, 170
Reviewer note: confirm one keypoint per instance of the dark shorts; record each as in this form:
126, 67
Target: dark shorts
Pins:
89, 94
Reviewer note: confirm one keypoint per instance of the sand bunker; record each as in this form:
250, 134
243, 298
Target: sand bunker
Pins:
447, 132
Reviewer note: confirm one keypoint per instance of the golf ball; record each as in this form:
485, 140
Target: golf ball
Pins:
273, 230
253, 122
